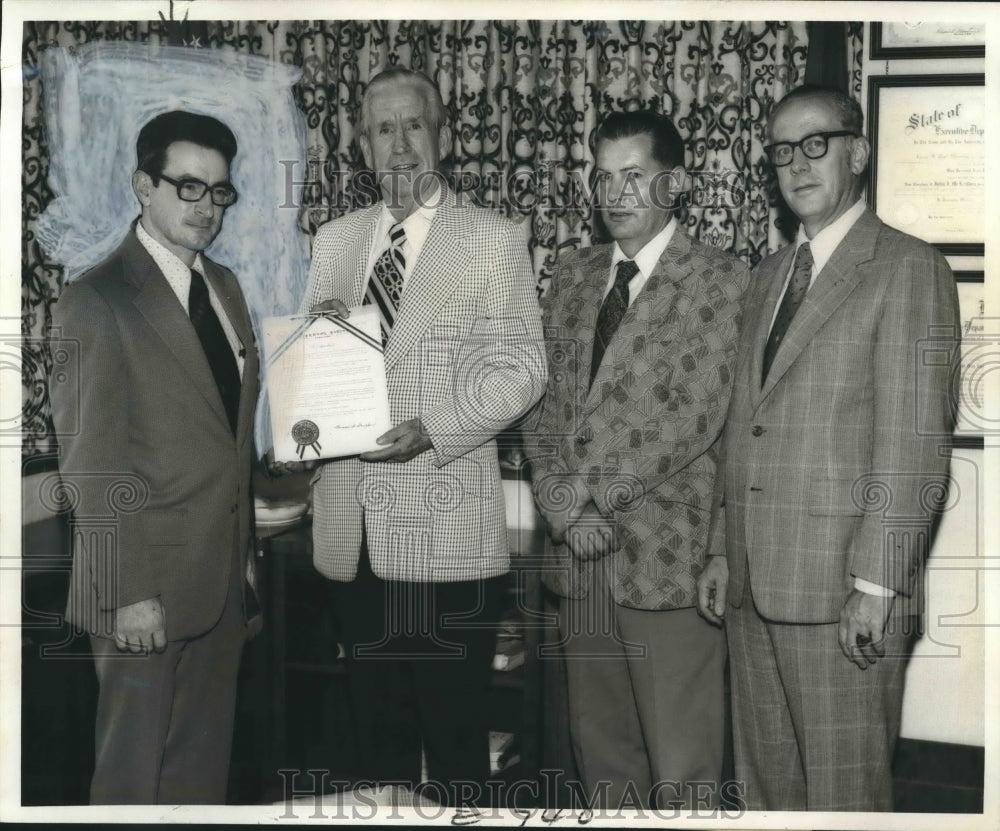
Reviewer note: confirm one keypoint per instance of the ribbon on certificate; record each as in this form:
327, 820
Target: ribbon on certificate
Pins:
309, 320
306, 434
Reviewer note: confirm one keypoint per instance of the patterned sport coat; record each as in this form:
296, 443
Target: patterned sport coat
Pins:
466, 356
835, 467
643, 436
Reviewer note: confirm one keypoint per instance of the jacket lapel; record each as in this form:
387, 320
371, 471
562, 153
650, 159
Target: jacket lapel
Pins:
437, 274
833, 284
651, 310
160, 307
584, 294
353, 259
228, 291
767, 286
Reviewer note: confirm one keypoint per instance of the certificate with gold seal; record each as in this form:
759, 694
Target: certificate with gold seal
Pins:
326, 387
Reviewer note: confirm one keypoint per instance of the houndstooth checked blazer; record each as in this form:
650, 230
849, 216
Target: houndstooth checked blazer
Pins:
643, 437
466, 356
834, 469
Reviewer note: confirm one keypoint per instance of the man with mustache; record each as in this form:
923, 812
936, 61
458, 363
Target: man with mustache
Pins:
155, 427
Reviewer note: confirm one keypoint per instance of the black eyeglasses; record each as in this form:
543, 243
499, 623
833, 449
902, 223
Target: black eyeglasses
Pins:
193, 190
813, 146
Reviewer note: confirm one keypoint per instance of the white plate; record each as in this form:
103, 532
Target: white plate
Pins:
270, 514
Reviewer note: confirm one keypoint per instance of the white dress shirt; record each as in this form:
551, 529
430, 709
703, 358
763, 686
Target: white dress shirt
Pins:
645, 259
417, 225
822, 246
178, 277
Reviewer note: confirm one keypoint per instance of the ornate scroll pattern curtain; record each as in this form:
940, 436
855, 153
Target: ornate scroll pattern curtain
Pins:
523, 98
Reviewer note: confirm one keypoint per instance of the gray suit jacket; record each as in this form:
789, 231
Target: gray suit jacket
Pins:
160, 488
836, 466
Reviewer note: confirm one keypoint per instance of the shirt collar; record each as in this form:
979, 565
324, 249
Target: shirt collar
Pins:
423, 215
649, 255
167, 260
826, 241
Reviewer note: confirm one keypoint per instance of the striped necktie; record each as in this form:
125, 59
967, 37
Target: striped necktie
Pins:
385, 288
794, 295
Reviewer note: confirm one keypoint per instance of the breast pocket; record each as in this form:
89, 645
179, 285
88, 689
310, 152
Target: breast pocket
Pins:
461, 305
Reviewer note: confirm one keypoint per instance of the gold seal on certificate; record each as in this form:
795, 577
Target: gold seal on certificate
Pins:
306, 434
325, 378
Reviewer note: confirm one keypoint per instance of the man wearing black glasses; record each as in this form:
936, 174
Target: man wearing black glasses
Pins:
155, 424
833, 470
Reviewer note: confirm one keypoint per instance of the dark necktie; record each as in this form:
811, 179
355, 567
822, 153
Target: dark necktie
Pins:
794, 295
217, 349
612, 311
385, 288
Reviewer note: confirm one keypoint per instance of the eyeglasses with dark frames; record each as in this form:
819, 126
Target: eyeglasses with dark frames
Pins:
193, 190
814, 146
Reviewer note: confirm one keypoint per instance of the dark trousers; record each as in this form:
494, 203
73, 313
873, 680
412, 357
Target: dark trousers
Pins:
419, 662
165, 720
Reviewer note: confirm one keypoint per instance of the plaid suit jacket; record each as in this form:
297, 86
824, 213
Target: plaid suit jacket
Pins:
466, 356
836, 466
643, 437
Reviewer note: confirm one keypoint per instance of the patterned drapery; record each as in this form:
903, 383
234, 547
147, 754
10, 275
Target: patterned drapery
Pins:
523, 98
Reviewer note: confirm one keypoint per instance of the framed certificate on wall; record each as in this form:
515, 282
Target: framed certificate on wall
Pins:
898, 39
978, 360
928, 139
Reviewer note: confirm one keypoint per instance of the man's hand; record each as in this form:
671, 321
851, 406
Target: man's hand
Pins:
405, 441
141, 627
284, 468
561, 499
337, 306
588, 534
556, 522
712, 584
862, 627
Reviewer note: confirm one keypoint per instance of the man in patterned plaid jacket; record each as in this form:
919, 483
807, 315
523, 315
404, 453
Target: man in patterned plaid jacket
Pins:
836, 414
641, 338
414, 535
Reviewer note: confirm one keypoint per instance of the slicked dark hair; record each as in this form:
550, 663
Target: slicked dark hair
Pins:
668, 149
848, 110
179, 125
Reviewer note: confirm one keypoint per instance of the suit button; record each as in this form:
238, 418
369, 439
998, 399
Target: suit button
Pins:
234, 509
757, 430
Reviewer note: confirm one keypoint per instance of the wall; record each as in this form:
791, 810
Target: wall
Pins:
945, 684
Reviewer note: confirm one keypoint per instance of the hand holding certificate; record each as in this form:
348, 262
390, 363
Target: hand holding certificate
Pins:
326, 384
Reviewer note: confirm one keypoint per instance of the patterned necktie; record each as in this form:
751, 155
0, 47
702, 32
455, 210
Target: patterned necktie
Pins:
612, 311
219, 353
794, 295
385, 288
